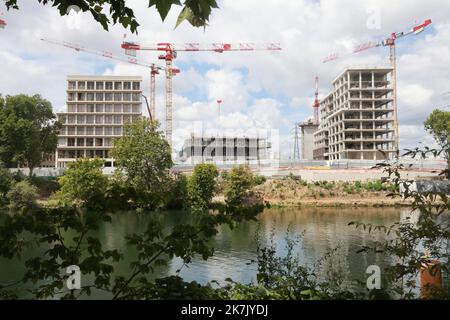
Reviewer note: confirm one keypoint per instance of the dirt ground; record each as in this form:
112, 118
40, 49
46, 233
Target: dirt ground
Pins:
288, 192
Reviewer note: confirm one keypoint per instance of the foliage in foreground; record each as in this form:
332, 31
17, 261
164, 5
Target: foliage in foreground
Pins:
68, 232
196, 12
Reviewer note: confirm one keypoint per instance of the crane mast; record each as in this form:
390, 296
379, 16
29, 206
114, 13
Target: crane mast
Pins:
170, 53
316, 102
154, 69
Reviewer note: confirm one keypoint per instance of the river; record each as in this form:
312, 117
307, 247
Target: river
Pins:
320, 229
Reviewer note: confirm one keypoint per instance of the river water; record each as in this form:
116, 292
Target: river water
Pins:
320, 229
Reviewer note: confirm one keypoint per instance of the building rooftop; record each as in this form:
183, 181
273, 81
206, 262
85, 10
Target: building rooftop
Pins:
383, 70
100, 77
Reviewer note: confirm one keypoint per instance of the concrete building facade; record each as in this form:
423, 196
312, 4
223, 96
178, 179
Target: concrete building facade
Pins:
98, 107
358, 117
307, 130
224, 150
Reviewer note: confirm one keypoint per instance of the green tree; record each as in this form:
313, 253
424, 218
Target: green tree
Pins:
6, 180
144, 156
438, 125
202, 185
196, 12
28, 130
178, 193
83, 184
22, 196
238, 186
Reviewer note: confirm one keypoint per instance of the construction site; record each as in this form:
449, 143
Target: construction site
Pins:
353, 126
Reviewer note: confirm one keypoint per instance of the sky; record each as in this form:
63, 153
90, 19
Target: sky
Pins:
263, 90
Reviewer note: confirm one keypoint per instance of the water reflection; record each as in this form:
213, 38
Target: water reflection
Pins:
321, 229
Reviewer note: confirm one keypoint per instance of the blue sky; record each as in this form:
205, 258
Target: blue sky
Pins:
268, 90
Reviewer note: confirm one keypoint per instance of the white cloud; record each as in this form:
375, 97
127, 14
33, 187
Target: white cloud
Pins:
271, 89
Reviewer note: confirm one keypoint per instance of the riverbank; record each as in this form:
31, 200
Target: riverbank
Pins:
290, 192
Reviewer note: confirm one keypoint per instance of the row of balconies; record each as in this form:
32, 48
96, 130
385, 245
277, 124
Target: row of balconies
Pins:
104, 108
108, 97
73, 154
108, 131
371, 85
104, 85
98, 119
85, 142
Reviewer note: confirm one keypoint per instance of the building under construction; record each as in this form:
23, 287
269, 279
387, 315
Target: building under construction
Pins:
224, 150
307, 130
358, 119
98, 107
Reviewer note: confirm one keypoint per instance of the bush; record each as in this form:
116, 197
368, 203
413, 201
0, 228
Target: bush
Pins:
144, 155
238, 186
119, 194
22, 195
201, 186
46, 185
373, 186
178, 193
259, 180
6, 180
83, 184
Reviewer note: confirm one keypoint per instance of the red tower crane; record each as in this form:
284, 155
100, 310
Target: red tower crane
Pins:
390, 42
170, 53
154, 69
316, 102
2, 22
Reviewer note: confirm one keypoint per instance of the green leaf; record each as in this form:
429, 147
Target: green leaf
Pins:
163, 6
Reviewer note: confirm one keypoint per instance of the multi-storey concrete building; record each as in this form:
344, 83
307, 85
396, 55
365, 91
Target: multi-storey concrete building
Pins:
97, 109
224, 150
358, 119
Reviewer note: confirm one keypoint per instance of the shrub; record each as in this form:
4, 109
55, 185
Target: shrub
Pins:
22, 195
119, 195
144, 155
259, 179
239, 185
178, 193
373, 186
6, 180
46, 185
202, 185
83, 184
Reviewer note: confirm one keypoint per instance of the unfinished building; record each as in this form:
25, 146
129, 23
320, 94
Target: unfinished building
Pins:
98, 107
307, 130
224, 150
358, 119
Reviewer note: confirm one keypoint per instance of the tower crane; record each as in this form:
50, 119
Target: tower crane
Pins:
316, 102
169, 53
2, 22
390, 42
154, 68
